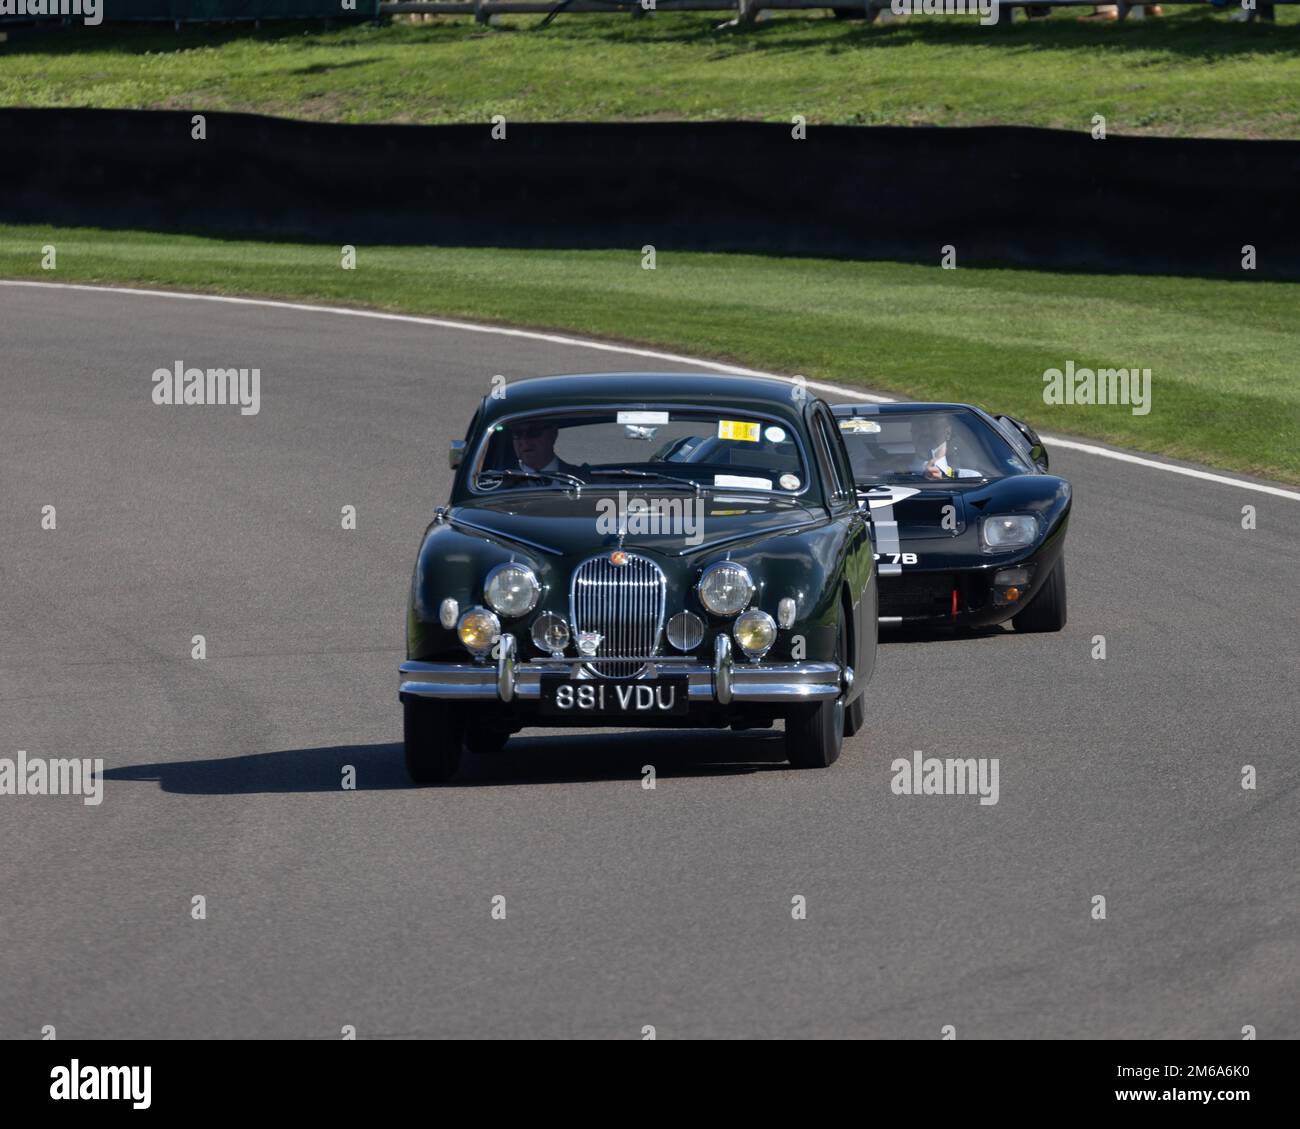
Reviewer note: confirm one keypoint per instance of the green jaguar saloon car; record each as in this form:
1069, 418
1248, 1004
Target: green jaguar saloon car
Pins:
642, 550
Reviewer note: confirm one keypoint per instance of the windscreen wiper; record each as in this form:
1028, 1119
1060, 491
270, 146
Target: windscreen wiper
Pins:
656, 475
540, 475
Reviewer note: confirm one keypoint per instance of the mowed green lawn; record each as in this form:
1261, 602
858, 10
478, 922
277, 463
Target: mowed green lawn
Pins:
1191, 73
1222, 354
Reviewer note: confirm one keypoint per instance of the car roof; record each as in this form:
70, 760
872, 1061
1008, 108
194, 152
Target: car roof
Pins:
759, 393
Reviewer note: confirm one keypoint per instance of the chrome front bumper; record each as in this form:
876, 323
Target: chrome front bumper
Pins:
724, 682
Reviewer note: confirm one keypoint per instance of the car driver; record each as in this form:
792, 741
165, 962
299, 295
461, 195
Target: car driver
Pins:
930, 435
534, 445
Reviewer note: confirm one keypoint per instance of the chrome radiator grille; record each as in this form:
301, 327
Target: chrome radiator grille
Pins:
625, 603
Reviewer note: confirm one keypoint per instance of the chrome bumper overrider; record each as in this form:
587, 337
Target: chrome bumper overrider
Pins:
725, 681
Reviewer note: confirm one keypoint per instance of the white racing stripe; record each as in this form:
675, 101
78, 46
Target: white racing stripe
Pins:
633, 351
881, 501
887, 544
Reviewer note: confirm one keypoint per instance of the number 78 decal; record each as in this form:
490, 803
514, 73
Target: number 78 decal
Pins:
896, 558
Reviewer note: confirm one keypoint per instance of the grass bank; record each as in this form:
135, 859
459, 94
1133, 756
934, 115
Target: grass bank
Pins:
1190, 74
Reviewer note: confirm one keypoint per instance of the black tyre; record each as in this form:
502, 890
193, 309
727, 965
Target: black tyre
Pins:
814, 733
481, 740
1046, 611
855, 715
433, 733
855, 712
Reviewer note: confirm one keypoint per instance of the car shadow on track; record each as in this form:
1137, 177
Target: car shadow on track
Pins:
919, 634
548, 759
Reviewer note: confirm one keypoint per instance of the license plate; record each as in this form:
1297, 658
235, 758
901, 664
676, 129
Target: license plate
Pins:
666, 696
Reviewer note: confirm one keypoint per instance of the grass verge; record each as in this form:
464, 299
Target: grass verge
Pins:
1222, 353
1191, 73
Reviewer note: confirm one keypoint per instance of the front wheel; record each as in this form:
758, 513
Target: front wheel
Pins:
1046, 611
479, 739
855, 714
433, 733
814, 733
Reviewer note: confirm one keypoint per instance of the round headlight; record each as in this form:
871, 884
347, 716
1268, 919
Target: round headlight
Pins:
685, 631
726, 587
1009, 531
511, 589
755, 632
478, 629
550, 633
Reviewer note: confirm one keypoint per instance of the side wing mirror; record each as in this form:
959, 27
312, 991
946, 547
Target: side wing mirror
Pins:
456, 454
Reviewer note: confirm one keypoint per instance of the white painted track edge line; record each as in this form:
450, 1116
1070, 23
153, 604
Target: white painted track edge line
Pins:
630, 351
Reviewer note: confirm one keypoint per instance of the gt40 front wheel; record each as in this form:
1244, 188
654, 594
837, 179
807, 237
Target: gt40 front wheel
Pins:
1046, 611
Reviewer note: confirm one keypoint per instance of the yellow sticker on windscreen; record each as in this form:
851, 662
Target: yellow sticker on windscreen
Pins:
738, 429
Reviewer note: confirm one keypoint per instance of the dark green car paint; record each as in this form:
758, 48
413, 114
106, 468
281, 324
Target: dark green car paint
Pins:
815, 546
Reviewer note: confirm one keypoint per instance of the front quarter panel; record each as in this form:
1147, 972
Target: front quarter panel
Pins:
807, 566
454, 563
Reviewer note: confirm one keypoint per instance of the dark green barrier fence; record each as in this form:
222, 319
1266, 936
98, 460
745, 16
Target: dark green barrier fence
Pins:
1040, 198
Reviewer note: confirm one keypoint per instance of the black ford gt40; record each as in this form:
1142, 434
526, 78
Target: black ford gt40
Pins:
969, 525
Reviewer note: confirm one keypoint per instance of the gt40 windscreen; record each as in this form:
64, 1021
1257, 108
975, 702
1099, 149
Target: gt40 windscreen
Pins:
921, 446
706, 448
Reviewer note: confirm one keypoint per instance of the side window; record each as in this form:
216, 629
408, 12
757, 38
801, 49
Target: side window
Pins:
831, 454
840, 453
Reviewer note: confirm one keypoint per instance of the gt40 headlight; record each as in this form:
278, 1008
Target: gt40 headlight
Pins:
478, 629
755, 631
511, 589
1008, 531
726, 587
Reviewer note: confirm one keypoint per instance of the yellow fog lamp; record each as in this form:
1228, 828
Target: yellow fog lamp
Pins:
478, 630
755, 632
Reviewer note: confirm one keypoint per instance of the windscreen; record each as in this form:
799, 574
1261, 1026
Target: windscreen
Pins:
709, 448
927, 446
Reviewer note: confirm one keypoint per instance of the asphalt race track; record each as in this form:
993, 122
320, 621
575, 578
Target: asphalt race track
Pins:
626, 908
